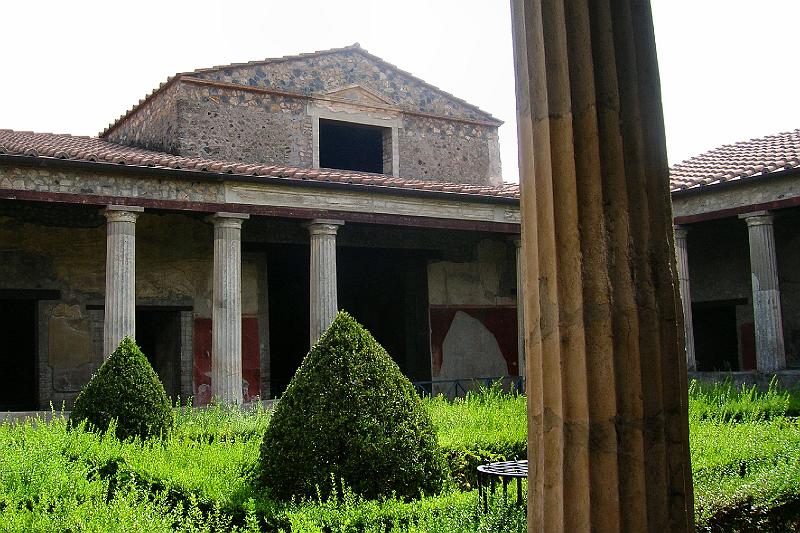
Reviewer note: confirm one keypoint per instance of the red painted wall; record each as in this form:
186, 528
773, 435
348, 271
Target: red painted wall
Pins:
747, 334
500, 321
251, 360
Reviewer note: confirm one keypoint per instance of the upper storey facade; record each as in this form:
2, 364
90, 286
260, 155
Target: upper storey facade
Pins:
342, 108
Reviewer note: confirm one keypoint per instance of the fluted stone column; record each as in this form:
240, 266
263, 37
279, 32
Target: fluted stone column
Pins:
323, 302
770, 352
120, 308
226, 325
682, 259
520, 310
608, 437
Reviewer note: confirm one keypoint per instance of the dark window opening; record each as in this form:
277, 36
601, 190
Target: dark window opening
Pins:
158, 334
716, 341
18, 391
349, 146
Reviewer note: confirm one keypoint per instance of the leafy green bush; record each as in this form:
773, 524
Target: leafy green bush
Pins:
485, 426
125, 389
350, 415
220, 421
449, 512
745, 462
724, 402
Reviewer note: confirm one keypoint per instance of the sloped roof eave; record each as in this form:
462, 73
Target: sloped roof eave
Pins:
88, 150
769, 156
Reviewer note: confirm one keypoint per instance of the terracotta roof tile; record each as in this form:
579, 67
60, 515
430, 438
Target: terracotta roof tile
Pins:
78, 148
746, 159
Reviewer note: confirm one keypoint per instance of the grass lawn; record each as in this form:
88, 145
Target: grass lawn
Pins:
745, 450
745, 458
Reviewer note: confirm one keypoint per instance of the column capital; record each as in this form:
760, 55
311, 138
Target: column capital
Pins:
680, 231
517, 240
758, 218
122, 213
228, 220
323, 226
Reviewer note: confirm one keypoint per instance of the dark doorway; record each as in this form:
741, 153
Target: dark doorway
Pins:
158, 334
349, 146
288, 280
715, 336
387, 291
18, 355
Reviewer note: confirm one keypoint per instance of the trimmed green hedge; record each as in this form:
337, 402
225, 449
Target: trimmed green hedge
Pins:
350, 416
127, 391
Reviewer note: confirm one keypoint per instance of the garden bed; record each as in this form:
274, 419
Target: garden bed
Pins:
745, 458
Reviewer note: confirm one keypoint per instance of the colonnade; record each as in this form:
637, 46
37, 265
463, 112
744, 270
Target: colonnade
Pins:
770, 351
226, 352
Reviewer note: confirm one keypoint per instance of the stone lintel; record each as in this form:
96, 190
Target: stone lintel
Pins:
224, 214
131, 208
359, 114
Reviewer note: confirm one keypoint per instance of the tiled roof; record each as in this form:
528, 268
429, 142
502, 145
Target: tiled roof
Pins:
746, 159
356, 47
92, 149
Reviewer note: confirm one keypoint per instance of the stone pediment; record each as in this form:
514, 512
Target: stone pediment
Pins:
359, 95
350, 75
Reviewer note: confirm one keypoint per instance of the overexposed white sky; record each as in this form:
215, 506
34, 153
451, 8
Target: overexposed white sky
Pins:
728, 71
728, 67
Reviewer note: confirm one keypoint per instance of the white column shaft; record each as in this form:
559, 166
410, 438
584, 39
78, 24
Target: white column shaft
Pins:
770, 351
682, 257
226, 332
120, 302
323, 302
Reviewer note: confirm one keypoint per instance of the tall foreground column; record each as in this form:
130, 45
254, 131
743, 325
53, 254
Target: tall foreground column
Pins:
323, 303
682, 258
120, 308
770, 351
226, 322
607, 400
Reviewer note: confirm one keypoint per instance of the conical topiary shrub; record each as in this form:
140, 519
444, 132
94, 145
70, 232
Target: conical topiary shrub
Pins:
350, 415
125, 388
